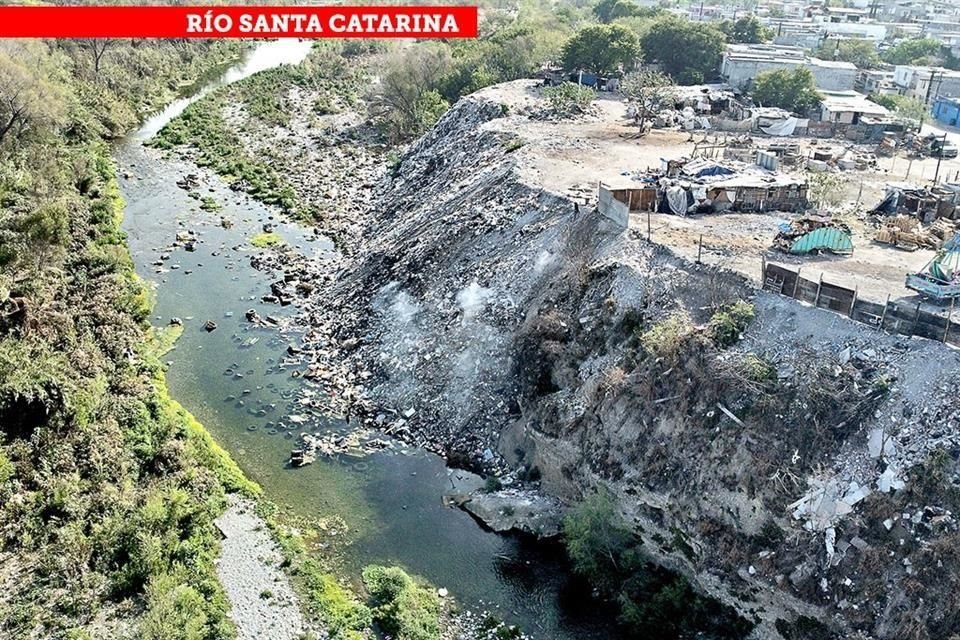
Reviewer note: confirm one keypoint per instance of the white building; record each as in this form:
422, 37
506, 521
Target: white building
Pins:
743, 62
926, 83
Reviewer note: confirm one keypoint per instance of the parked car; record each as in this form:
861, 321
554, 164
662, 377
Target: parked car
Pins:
948, 150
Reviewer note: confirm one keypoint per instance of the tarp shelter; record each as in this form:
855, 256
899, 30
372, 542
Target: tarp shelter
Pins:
830, 239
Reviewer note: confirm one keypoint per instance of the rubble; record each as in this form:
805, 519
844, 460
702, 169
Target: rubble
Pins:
813, 234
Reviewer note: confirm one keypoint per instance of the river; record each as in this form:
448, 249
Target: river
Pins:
231, 380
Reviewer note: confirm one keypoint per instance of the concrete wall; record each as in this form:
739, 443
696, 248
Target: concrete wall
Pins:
833, 78
740, 73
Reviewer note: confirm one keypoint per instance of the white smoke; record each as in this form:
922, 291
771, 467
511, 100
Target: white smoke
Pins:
471, 299
544, 260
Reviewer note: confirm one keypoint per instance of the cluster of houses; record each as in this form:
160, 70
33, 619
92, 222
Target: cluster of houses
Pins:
800, 26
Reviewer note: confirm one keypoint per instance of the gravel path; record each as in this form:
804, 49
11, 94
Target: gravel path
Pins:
262, 604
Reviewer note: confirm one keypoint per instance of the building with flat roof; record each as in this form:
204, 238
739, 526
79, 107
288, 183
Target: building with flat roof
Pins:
947, 111
743, 62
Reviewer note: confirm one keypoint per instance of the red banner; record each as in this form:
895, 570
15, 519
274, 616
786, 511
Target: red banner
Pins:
237, 22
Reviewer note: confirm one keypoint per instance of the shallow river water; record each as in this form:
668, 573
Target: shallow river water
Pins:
230, 379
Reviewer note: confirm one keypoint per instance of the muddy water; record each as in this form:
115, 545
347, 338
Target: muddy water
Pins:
232, 380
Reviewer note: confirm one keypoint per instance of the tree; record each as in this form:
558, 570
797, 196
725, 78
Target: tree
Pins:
650, 91
826, 189
862, 53
602, 49
27, 101
609, 10
688, 52
406, 99
791, 90
913, 50
97, 48
905, 107
748, 30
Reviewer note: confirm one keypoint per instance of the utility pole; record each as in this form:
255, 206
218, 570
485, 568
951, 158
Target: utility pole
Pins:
926, 99
936, 174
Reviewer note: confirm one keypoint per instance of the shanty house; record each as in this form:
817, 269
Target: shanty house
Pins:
849, 107
711, 186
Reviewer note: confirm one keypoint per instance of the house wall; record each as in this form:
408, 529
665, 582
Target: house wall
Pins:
946, 112
611, 208
740, 73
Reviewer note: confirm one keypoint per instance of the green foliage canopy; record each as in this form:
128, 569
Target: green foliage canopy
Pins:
792, 90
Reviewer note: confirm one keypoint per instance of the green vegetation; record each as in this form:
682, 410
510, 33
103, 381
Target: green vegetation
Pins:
862, 53
791, 90
610, 10
826, 189
689, 52
108, 488
906, 107
342, 614
727, 324
569, 98
746, 30
208, 203
650, 92
653, 603
664, 339
266, 239
403, 607
602, 49
914, 51
202, 127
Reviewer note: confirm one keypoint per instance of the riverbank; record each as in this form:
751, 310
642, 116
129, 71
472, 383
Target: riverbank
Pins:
494, 577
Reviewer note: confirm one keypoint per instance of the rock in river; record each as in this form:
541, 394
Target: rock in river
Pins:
516, 510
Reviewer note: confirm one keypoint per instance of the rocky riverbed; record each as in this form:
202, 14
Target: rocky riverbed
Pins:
262, 602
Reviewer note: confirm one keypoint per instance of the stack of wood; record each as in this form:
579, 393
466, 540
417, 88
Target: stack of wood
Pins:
907, 233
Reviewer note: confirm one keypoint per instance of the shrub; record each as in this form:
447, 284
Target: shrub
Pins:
569, 98
175, 611
596, 538
757, 369
664, 339
403, 608
727, 324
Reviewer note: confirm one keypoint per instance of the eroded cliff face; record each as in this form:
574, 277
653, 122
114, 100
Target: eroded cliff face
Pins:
803, 472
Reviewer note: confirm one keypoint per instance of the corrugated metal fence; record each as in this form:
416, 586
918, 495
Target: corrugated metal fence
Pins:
897, 317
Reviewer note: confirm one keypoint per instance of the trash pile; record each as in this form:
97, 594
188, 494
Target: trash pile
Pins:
813, 234
926, 203
849, 158
357, 443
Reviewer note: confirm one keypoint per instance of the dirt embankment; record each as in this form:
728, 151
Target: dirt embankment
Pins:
803, 472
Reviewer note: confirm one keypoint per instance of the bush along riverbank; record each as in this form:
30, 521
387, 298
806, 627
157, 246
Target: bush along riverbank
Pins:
108, 489
212, 129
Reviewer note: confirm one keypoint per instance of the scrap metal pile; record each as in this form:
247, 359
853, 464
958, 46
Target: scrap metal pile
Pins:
813, 234
940, 279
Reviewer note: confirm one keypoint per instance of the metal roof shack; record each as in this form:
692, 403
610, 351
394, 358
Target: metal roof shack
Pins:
708, 186
849, 107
